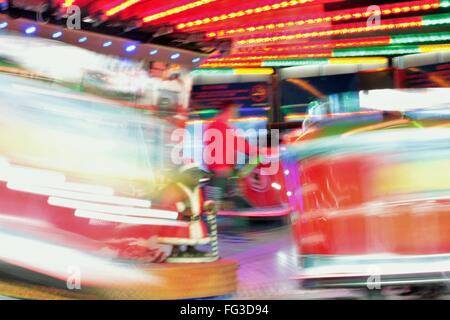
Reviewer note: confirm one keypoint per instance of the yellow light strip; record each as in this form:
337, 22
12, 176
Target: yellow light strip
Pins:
253, 71
327, 45
245, 119
176, 10
368, 60
344, 44
249, 70
315, 34
241, 13
121, 7
363, 13
249, 119
434, 48
68, 3
273, 57
232, 65
296, 117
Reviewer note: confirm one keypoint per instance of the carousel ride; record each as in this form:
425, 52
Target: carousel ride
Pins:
92, 204
374, 206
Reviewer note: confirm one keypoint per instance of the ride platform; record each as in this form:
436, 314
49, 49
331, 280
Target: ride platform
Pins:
173, 281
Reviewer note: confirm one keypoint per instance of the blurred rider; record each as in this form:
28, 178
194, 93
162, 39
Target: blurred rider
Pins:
220, 163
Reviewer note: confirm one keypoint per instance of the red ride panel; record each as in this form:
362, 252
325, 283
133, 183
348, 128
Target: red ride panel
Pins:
115, 235
338, 217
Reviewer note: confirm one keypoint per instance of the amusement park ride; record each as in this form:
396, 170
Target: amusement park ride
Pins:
88, 183
374, 196
91, 199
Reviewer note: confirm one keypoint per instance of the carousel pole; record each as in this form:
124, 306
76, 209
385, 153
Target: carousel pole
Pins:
211, 217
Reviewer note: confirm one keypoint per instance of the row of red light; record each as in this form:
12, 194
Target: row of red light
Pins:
256, 64
124, 5
314, 58
352, 28
390, 9
180, 7
329, 17
290, 55
176, 10
414, 6
242, 13
330, 44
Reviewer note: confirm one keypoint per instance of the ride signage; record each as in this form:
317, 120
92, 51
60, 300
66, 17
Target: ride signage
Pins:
247, 95
428, 76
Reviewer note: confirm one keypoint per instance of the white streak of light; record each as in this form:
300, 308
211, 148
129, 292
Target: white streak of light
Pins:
47, 179
55, 260
31, 174
111, 209
276, 186
82, 187
3, 163
130, 220
18, 186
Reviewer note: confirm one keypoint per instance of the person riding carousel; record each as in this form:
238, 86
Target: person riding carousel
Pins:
220, 164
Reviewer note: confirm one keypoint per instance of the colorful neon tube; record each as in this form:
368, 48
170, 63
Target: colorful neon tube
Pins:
353, 28
338, 53
353, 42
293, 62
386, 10
124, 5
241, 13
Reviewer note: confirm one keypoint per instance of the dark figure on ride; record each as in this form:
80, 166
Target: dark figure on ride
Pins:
222, 162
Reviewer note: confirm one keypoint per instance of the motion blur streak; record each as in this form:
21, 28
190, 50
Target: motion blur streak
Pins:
54, 260
382, 198
29, 174
128, 219
140, 212
84, 188
29, 187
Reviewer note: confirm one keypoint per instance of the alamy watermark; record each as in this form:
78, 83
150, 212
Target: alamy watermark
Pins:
374, 280
374, 16
228, 148
74, 278
72, 12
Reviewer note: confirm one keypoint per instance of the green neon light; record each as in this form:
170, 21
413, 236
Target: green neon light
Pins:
371, 51
206, 112
423, 37
294, 62
290, 106
212, 71
436, 19
445, 3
